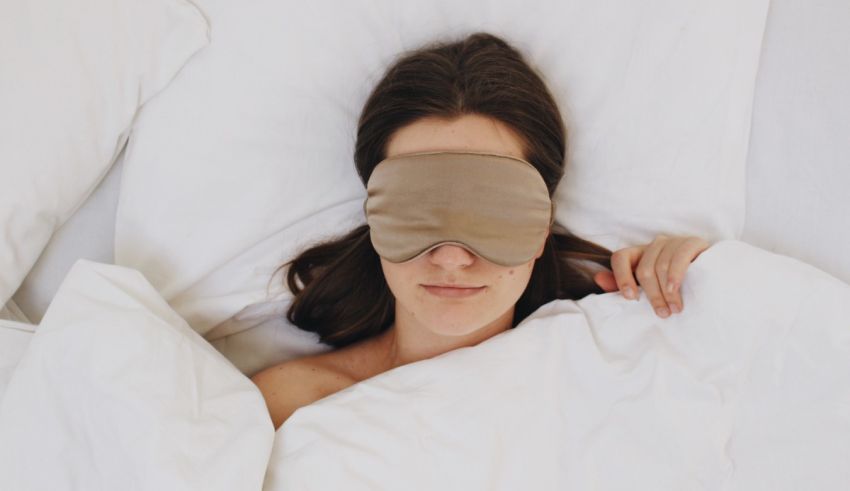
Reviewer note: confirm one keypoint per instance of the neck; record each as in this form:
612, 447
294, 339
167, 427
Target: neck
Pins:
408, 341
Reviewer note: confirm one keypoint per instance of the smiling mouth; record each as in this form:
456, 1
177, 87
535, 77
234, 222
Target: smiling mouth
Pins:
453, 291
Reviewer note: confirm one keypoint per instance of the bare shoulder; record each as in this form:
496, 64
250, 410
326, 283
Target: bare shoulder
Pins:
291, 385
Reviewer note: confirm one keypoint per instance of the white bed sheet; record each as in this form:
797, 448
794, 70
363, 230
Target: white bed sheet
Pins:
746, 389
797, 179
14, 339
116, 391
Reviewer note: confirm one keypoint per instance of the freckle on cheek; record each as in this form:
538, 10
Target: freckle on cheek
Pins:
510, 271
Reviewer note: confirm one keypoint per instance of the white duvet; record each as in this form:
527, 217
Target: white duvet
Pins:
747, 389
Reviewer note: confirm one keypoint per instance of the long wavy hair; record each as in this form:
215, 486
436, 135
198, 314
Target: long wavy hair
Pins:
339, 288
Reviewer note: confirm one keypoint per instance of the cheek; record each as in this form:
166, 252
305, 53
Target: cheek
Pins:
515, 279
404, 285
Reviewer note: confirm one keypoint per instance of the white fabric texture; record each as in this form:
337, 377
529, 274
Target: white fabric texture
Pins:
798, 172
74, 73
745, 389
11, 311
115, 391
14, 339
88, 234
250, 149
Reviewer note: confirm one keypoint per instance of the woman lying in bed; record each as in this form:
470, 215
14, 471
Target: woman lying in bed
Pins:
460, 242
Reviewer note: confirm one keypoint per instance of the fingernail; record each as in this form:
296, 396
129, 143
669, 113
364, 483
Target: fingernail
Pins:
628, 293
663, 312
675, 308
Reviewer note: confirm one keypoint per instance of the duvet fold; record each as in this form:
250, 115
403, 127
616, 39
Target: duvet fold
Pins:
116, 391
748, 388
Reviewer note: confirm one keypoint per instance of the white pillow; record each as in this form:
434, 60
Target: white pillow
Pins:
250, 150
660, 121
798, 172
74, 73
87, 234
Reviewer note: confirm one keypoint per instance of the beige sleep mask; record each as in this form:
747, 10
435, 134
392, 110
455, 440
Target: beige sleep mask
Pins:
494, 205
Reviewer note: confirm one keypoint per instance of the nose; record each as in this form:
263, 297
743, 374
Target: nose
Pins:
451, 256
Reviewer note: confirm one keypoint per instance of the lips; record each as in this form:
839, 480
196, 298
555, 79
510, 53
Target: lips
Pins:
452, 285
453, 291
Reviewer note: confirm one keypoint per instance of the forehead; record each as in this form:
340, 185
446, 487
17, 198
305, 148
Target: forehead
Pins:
470, 132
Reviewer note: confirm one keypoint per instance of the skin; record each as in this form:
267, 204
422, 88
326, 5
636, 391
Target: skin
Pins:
427, 325
659, 267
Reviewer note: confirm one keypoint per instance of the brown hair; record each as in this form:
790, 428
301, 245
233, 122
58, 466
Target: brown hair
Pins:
343, 296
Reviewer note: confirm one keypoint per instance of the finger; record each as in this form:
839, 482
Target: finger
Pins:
684, 255
662, 271
623, 262
605, 280
648, 278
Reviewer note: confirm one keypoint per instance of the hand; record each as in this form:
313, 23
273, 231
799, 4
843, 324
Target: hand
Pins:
659, 266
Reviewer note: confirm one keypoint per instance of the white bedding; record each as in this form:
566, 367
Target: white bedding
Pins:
14, 338
115, 391
748, 388
795, 186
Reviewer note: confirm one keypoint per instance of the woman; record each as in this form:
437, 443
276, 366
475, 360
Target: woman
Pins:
479, 96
